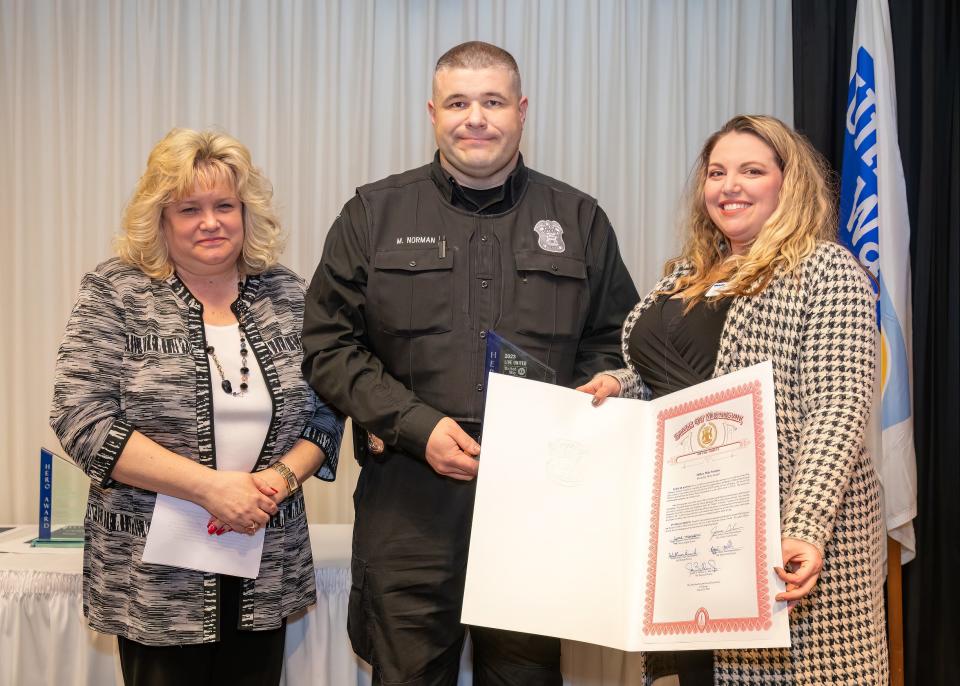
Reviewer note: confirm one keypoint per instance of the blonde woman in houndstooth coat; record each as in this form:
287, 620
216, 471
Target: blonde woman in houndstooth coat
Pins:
761, 277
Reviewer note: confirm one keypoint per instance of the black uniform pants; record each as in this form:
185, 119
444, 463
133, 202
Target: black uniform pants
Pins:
693, 667
240, 658
410, 542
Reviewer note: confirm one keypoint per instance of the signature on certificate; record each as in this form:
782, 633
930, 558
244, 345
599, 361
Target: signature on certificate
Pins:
707, 568
684, 539
678, 555
725, 548
725, 531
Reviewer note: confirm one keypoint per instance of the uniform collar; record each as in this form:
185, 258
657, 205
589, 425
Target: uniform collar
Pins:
453, 192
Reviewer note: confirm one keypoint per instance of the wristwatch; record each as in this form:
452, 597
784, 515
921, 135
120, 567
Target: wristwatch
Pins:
293, 484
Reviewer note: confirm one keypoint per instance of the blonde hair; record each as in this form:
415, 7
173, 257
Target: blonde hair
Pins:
805, 215
183, 160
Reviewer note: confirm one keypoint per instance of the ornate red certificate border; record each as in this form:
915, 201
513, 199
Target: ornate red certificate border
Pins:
702, 622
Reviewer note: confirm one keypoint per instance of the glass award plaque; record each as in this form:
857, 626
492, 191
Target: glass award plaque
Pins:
504, 357
63, 501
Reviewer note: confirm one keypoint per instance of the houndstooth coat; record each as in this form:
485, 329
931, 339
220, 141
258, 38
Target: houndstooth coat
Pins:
818, 327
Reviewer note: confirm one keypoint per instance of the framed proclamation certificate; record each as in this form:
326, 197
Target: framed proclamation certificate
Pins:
636, 525
708, 519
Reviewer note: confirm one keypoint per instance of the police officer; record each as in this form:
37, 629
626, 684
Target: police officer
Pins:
416, 270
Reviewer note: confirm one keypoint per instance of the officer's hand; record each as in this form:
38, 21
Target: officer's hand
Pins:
601, 387
451, 452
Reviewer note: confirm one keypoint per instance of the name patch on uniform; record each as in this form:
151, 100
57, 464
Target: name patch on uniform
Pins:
417, 240
550, 235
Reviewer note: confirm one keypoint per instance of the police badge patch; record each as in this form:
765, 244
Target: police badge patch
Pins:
550, 235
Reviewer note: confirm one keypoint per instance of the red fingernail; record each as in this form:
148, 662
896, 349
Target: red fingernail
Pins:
211, 528
221, 530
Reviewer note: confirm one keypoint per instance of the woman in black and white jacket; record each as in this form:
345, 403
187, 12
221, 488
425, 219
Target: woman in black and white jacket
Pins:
761, 277
179, 373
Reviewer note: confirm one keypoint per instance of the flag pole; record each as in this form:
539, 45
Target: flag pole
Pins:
894, 612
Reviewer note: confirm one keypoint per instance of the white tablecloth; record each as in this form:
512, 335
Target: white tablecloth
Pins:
44, 639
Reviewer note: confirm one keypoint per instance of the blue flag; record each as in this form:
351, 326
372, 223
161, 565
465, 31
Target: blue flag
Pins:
875, 225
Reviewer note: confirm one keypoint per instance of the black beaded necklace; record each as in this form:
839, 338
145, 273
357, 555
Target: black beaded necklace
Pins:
244, 370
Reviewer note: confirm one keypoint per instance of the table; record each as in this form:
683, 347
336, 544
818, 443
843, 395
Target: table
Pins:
44, 639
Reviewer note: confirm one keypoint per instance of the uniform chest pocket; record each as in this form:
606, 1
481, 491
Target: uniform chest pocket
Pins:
550, 294
412, 291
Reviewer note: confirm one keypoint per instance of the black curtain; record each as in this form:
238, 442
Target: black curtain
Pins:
926, 47
926, 44
822, 39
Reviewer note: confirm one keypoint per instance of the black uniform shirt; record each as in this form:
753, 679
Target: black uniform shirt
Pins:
416, 270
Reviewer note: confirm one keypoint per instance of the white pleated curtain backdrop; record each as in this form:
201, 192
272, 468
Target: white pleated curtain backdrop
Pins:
328, 96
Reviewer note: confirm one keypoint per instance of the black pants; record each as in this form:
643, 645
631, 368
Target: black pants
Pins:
693, 667
410, 542
239, 658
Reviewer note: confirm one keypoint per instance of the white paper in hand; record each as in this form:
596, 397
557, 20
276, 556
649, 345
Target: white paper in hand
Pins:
178, 537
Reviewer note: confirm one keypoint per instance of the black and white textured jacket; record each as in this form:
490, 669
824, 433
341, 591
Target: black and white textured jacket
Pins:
818, 327
133, 359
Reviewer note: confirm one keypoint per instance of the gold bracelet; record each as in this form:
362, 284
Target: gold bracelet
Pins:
293, 484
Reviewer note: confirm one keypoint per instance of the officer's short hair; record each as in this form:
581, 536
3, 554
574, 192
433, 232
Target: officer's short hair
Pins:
476, 54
